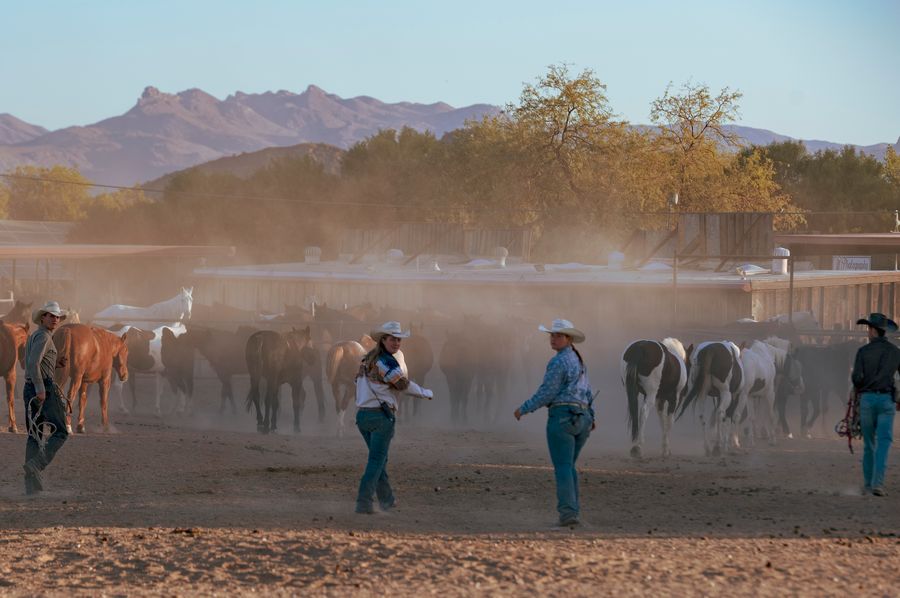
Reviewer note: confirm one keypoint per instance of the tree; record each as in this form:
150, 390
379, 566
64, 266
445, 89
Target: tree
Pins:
691, 128
57, 193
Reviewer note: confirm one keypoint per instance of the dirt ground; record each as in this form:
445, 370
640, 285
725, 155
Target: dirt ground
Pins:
205, 506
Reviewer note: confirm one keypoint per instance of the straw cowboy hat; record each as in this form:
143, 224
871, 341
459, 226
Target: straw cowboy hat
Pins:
880, 321
51, 307
564, 327
388, 328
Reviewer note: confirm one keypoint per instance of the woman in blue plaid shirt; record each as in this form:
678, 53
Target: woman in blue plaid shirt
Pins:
566, 392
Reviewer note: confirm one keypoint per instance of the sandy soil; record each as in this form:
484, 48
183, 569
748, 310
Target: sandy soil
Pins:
206, 506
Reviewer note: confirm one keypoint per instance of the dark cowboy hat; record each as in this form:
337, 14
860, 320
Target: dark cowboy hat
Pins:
880, 321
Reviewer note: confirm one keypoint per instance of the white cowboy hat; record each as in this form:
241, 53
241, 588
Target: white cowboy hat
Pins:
51, 307
564, 327
388, 328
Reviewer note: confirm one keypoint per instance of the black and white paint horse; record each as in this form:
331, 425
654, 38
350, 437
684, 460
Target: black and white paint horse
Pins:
654, 373
714, 369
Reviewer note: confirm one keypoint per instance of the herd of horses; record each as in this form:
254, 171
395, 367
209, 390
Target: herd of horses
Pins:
740, 392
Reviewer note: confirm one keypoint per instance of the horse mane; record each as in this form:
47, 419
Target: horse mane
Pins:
674, 345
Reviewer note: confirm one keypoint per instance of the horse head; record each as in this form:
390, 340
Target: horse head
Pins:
120, 356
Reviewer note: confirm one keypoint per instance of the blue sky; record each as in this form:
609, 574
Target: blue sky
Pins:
815, 70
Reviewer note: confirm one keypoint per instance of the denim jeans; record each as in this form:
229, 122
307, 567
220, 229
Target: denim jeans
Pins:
876, 416
568, 429
53, 411
377, 429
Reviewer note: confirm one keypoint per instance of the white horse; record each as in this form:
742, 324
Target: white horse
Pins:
176, 309
145, 357
758, 395
714, 368
654, 373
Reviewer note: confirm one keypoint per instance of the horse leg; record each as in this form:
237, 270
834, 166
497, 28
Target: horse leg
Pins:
10, 379
805, 404
343, 402
119, 387
319, 390
71, 394
82, 404
770, 416
104, 402
722, 428
298, 399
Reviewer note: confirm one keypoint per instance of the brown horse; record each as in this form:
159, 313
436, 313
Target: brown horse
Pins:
278, 358
91, 355
12, 349
342, 367
19, 314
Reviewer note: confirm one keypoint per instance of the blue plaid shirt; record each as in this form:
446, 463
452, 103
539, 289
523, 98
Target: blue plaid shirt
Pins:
565, 381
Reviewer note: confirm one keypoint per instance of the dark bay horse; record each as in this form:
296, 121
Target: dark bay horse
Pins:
226, 353
92, 353
458, 363
12, 350
277, 358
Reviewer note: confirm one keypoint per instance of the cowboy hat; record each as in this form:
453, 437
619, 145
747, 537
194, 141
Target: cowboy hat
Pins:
51, 307
388, 329
564, 327
880, 321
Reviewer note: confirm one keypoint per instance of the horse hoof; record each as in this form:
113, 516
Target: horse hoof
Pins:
69, 429
666, 454
296, 429
81, 429
13, 429
716, 451
636, 452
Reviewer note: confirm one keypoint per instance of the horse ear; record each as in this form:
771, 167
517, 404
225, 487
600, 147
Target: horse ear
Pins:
190, 290
124, 335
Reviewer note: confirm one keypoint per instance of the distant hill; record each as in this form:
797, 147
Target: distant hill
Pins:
165, 133
244, 165
13, 130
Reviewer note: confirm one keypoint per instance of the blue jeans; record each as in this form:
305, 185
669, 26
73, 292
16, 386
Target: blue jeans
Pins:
568, 429
377, 429
53, 411
876, 416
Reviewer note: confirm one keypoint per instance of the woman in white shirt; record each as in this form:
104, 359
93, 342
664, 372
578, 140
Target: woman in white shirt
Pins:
382, 378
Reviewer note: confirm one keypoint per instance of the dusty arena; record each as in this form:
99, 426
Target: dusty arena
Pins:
203, 505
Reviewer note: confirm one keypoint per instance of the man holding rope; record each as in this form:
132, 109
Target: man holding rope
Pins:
45, 410
873, 380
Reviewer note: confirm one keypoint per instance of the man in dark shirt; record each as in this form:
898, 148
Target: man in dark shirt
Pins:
873, 378
45, 412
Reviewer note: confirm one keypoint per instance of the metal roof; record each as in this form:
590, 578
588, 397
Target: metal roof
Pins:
86, 251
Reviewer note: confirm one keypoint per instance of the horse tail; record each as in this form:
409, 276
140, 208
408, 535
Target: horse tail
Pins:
253, 355
631, 390
700, 387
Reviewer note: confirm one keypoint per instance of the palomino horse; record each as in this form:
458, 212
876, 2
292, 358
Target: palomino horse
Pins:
91, 355
654, 373
714, 368
176, 309
278, 358
341, 368
12, 349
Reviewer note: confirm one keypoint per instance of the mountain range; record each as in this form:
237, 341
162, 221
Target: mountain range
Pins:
164, 132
